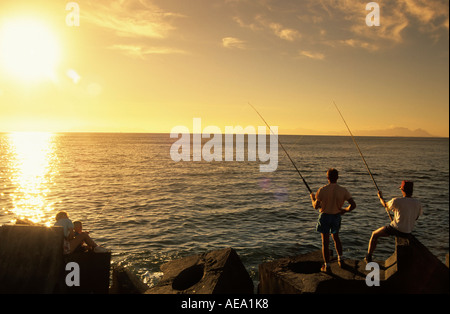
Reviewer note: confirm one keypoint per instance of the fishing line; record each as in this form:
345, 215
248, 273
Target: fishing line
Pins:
361, 154
279, 142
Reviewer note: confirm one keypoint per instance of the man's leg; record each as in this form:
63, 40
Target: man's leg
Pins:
80, 238
337, 245
325, 247
335, 226
380, 232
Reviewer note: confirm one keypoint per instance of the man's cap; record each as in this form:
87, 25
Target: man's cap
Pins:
406, 186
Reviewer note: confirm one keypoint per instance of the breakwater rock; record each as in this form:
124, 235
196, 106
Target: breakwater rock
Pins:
32, 261
411, 269
301, 274
215, 272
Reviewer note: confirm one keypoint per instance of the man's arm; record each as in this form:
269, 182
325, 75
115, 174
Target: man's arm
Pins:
315, 202
382, 201
350, 207
420, 212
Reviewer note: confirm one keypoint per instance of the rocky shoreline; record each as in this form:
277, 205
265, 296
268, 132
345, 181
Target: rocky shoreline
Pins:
411, 269
31, 261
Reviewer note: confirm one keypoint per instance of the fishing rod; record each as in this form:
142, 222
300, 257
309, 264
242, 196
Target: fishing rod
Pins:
279, 142
362, 156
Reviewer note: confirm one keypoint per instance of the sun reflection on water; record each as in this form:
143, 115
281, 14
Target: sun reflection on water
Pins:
32, 168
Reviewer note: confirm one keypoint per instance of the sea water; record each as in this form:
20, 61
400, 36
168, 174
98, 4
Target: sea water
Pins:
149, 209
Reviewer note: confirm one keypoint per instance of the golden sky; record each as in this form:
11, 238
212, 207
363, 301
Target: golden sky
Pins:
151, 65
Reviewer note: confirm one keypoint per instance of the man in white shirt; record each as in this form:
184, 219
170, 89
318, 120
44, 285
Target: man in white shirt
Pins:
406, 211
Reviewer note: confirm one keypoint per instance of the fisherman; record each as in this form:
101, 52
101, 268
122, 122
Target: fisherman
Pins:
329, 199
406, 211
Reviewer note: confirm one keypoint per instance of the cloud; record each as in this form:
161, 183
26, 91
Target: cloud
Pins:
278, 29
141, 51
288, 34
129, 18
261, 23
232, 42
138, 21
395, 17
312, 55
392, 25
356, 43
427, 11
252, 26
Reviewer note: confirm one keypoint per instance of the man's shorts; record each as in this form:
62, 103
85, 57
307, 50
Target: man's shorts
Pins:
328, 223
394, 232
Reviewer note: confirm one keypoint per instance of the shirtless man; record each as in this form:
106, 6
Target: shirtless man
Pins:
329, 199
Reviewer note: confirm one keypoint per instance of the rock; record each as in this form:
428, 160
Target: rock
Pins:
215, 272
94, 271
31, 259
124, 281
301, 274
414, 269
411, 269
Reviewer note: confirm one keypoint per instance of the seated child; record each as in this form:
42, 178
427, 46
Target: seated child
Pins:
71, 240
78, 229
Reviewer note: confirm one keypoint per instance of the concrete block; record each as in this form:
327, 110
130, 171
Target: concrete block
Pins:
301, 275
94, 271
31, 258
415, 269
215, 272
412, 268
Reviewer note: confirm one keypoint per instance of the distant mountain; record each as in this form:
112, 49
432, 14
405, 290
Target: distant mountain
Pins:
389, 132
395, 131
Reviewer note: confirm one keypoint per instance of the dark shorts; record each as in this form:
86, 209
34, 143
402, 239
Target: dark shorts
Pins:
329, 223
394, 232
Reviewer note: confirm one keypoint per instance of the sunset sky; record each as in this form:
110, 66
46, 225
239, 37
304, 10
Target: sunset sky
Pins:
151, 65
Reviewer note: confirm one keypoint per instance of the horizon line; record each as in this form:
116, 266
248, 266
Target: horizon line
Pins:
190, 133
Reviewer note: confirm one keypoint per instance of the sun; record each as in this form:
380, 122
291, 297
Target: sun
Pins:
29, 50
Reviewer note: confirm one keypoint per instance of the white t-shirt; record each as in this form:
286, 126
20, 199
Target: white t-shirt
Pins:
406, 211
67, 224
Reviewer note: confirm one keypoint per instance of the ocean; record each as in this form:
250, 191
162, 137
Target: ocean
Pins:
148, 209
